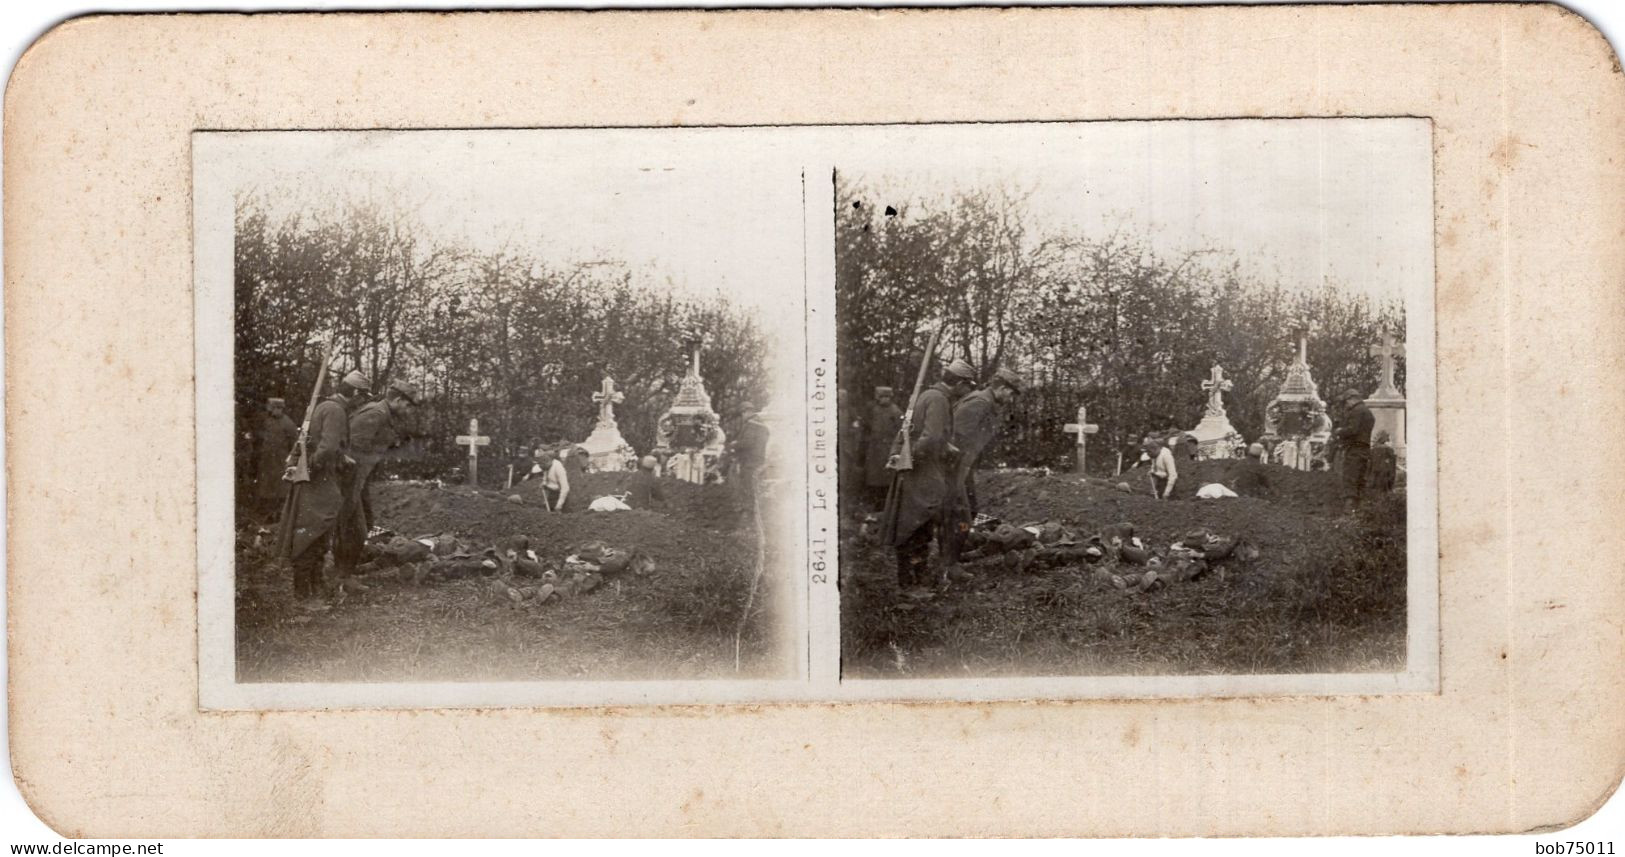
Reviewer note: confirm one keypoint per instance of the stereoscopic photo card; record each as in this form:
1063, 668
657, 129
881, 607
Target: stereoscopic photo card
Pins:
745, 420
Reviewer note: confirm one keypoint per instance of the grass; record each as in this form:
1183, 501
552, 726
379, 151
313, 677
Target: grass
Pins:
676, 623
1335, 603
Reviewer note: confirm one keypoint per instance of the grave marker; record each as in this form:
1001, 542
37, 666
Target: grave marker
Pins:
473, 440
1082, 428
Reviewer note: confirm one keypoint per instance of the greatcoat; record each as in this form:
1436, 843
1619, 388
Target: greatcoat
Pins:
923, 492
320, 501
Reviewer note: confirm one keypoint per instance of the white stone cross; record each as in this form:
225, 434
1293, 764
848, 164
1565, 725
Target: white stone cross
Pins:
607, 398
473, 440
1082, 428
1386, 352
1216, 385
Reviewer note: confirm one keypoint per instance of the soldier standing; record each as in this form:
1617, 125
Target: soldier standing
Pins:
321, 503
1384, 465
880, 431
1354, 442
750, 449
924, 501
273, 438
375, 428
848, 443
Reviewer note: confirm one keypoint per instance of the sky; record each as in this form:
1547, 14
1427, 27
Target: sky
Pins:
669, 208
1300, 201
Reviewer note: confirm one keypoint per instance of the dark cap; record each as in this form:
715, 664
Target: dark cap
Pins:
407, 390
1010, 379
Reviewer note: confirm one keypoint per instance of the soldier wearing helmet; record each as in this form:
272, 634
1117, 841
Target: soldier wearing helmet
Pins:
321, 502
925, 494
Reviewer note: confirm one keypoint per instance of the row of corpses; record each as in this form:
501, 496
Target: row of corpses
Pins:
1119, 557
514, 569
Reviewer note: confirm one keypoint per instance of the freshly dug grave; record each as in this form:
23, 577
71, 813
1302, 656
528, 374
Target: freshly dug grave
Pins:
1307, 490
1023, 497
677, 621
415, 509
1325, 592
717, 506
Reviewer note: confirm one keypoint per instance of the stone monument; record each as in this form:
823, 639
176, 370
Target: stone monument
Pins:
606, 449
689, 435
1387, 404
1296, 426
1215, 436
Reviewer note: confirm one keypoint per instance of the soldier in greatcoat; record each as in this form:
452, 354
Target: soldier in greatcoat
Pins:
924, 500
1353, 438
319, 503
750, 449
879, 433
273, 438
1384, 465
848, 449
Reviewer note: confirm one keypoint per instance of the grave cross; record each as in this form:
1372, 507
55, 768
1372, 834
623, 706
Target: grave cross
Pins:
473, 440
607, 398
1217, 385
1082, 428
1386, 352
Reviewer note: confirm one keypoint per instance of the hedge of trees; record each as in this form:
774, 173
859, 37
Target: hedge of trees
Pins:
518, 342
1096, 320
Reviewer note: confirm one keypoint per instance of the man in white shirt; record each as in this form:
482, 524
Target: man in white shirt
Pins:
555, 479
1164, 473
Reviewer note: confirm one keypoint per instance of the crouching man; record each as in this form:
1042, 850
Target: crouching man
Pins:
375, 428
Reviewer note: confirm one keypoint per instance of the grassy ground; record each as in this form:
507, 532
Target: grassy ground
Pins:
677, 623
1326, 594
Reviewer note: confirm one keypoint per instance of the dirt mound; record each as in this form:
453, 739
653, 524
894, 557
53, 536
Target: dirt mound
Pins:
1323, 593
700, 611
1307, 490
1281, 530
416, 509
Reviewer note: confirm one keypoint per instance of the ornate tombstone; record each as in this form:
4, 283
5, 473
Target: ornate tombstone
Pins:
606, 449
1215, 436
1296, 426
689, 435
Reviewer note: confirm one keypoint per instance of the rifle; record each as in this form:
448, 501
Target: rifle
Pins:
903, 458
297, 473
298, 467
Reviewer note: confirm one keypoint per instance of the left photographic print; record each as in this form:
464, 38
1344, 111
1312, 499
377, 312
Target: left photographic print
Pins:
498, 417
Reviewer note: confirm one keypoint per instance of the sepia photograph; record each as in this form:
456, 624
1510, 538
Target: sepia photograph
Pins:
726, 423
503, 410
1130, 398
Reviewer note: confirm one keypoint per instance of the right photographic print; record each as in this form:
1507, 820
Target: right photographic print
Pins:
1131, 399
